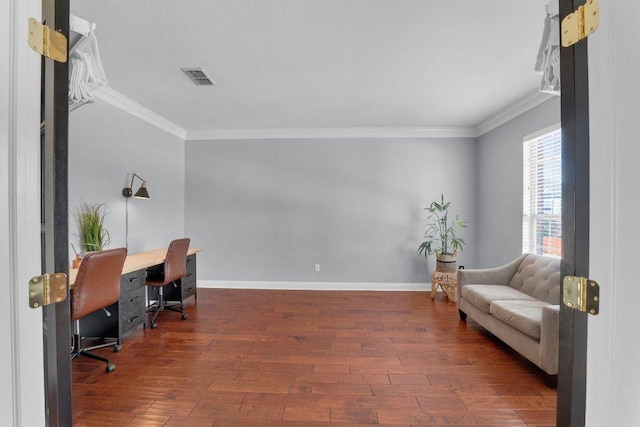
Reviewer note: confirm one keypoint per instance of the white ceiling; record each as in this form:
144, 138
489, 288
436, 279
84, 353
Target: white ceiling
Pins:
320, 64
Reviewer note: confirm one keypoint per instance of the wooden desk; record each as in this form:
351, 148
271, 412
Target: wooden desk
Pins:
130, 311
138, 261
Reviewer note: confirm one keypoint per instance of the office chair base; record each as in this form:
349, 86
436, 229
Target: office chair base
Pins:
78, 351
180, 310
153, 324
110, 366
161, 305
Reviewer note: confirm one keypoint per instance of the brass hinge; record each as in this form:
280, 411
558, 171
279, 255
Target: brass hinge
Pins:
581, 294
578, 25
47, 42
47, 289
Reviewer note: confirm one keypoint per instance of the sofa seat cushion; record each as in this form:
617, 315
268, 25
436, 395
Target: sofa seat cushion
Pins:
482, 296
525, 316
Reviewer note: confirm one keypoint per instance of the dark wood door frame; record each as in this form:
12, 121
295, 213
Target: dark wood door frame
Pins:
572, 361
54, 219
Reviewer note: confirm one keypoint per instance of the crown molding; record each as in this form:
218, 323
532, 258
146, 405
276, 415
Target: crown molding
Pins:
512, 111
331, 133
124, 103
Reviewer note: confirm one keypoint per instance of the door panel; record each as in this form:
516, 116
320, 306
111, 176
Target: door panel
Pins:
614, 343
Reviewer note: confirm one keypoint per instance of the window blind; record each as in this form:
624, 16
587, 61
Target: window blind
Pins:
542, 195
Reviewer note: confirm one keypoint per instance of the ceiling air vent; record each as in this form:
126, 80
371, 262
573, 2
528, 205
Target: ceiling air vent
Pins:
198, 76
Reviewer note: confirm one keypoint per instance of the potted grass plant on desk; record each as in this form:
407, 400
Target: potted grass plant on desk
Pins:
92, 234
441, 236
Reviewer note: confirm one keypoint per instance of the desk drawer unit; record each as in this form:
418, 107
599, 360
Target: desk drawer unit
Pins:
188, 282
132, 301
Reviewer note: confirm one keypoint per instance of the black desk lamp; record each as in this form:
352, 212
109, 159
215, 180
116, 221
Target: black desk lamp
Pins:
142, 192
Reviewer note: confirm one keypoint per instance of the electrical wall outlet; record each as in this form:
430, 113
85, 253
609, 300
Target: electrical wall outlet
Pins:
317, 267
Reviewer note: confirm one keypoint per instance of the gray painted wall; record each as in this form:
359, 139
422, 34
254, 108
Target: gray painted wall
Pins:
106, 145
500, 184
269, 210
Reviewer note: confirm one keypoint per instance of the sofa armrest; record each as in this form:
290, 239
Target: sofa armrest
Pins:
490, 276
549, 339
501, 275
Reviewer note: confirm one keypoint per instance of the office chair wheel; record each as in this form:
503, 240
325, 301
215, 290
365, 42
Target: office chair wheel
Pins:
153, 325
117, 348
110, 367
184, 316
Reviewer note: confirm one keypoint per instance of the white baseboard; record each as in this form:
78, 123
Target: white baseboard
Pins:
314, 286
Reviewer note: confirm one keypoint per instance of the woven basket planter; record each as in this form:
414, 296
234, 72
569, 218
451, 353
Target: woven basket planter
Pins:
446, 263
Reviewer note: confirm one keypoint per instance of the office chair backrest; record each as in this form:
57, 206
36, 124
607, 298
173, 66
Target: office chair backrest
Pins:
175, 264
97, 284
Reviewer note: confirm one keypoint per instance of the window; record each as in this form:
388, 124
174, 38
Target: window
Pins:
542, 193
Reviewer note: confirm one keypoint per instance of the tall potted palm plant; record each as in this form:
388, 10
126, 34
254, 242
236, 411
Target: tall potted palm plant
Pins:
441, 236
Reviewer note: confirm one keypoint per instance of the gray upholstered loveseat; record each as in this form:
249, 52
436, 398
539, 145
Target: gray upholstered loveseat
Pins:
518, 303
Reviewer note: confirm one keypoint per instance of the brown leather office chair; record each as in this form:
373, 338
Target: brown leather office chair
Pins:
97, 286
173, 268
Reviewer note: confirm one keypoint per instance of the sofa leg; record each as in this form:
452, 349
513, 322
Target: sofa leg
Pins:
551, 380
463, 315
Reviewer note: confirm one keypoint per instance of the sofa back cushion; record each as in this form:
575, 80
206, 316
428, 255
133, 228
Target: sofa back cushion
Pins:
539, 277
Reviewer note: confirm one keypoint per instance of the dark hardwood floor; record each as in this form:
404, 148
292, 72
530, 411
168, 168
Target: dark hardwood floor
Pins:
302, 358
